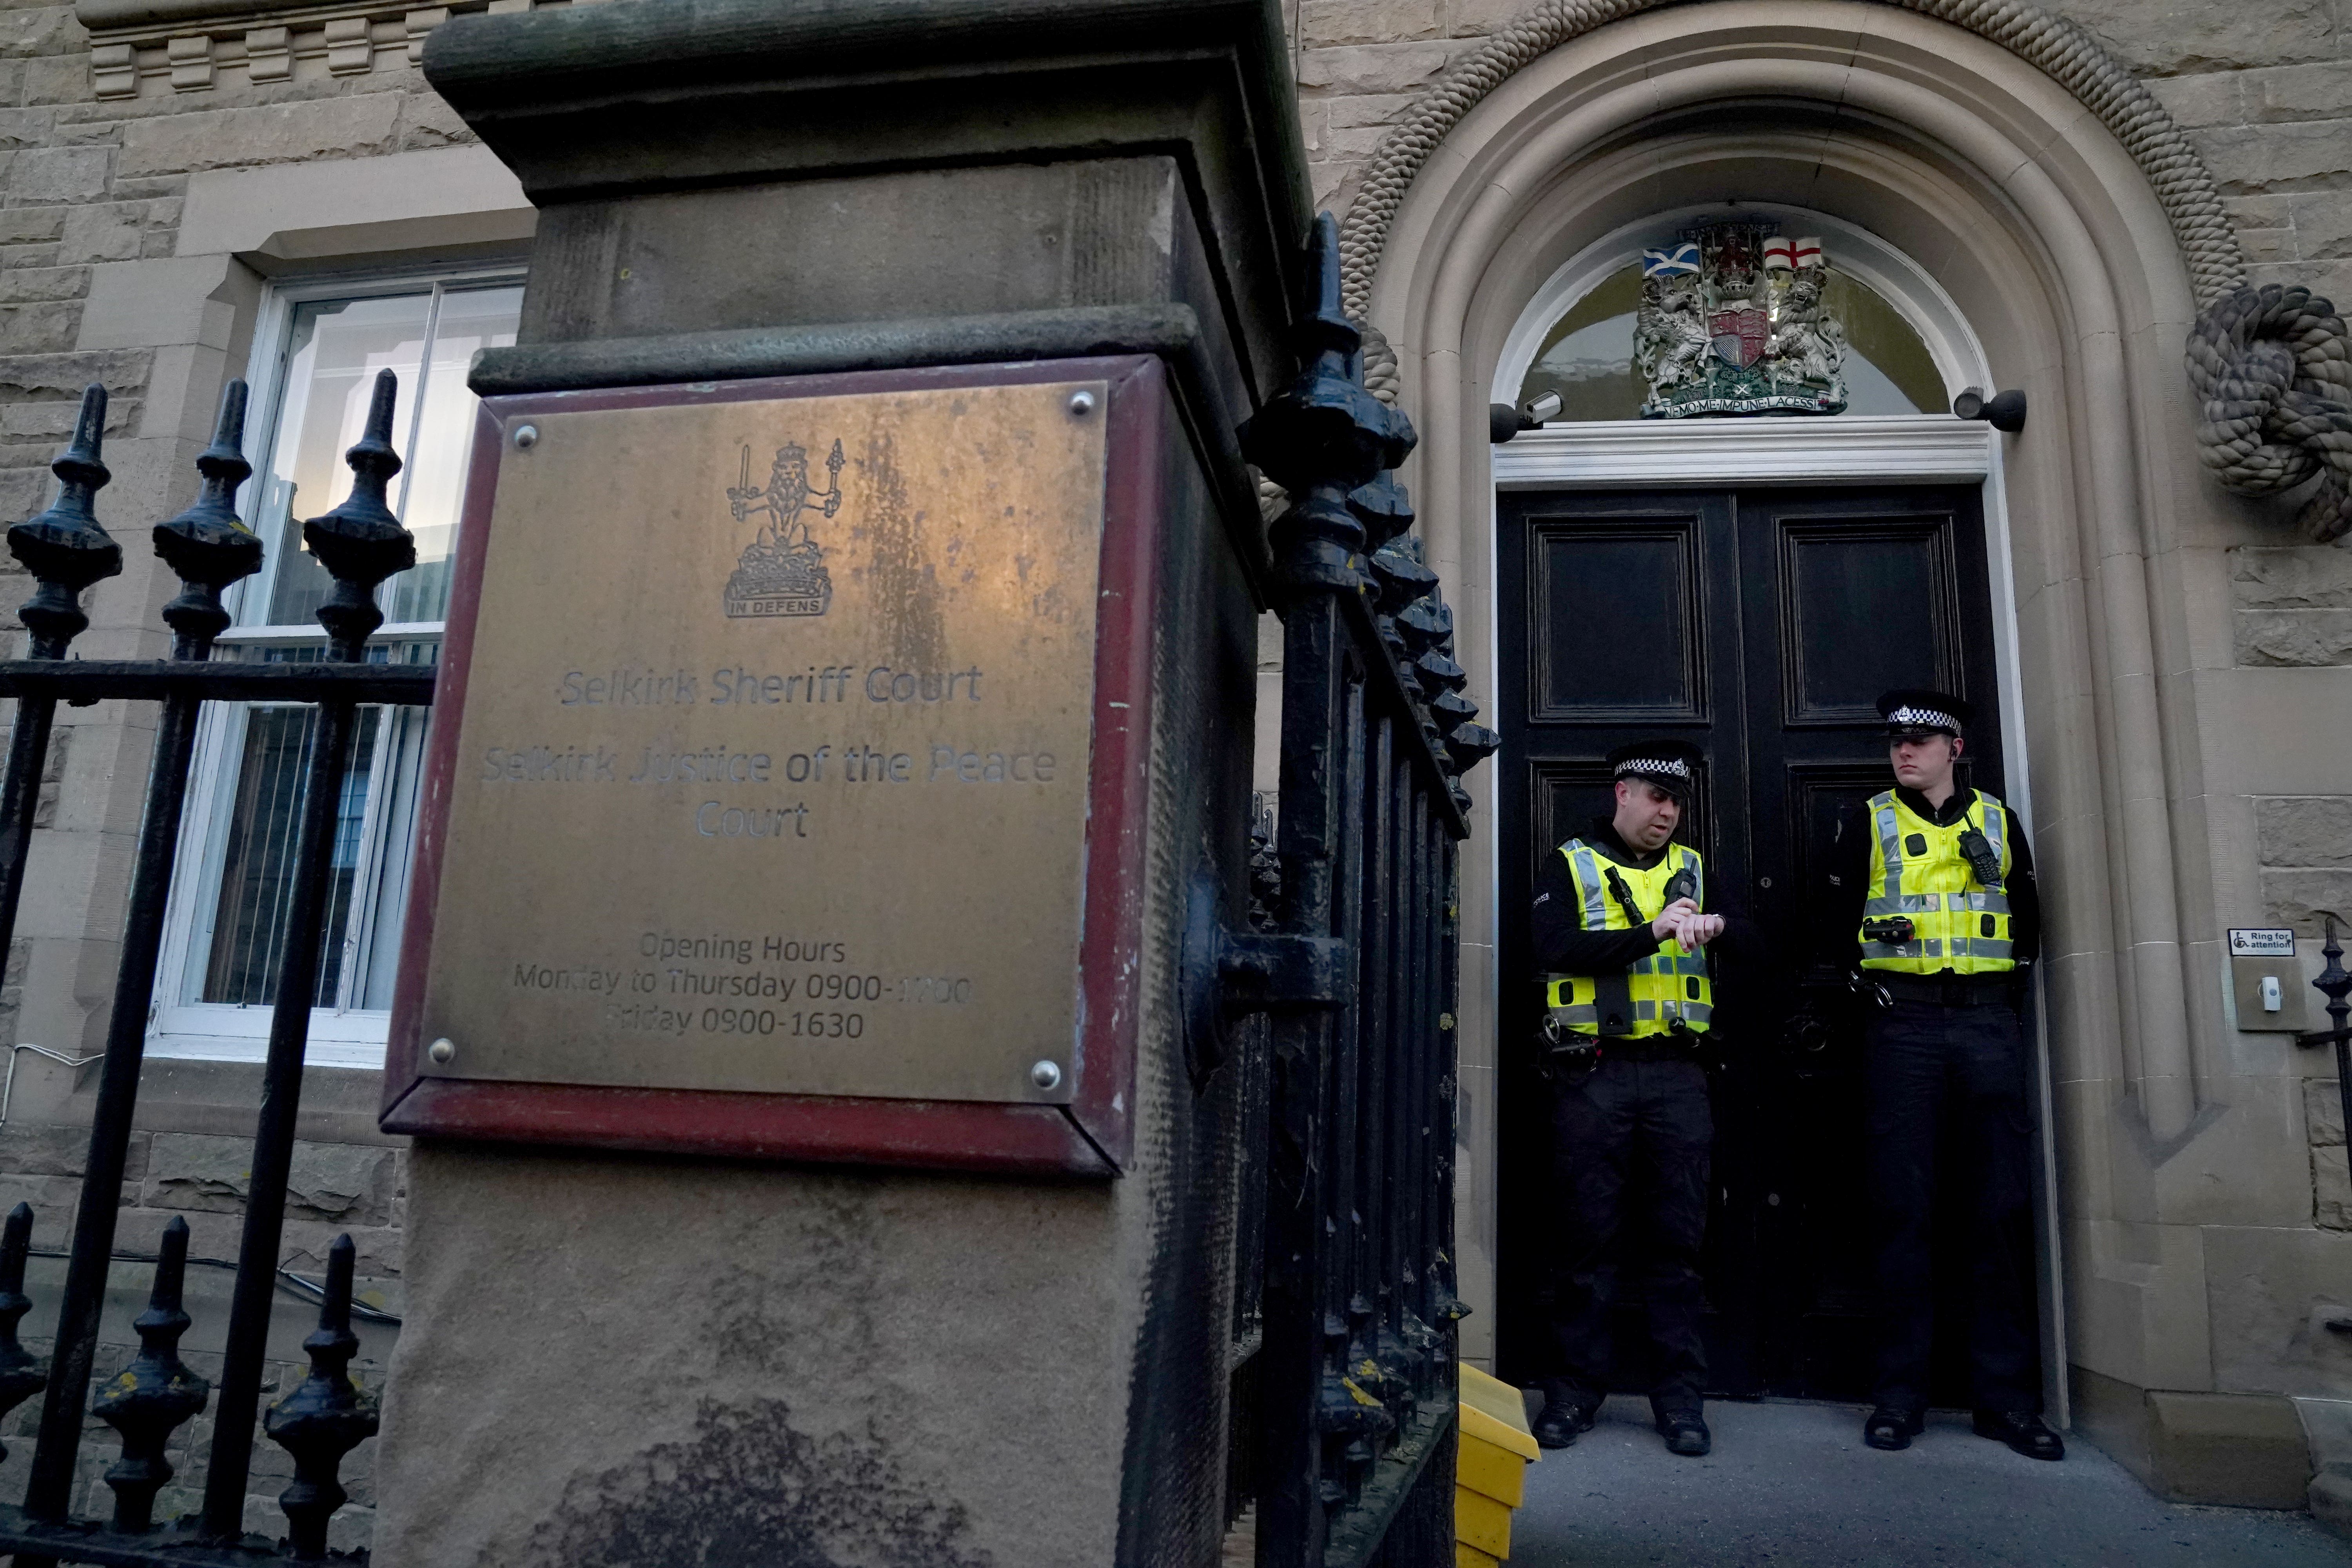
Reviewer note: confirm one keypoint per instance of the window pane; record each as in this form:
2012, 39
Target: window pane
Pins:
1587, 357
337, 347
334, 352
435, 481
257, 889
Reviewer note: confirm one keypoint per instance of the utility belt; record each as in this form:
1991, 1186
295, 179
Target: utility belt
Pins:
1946, 990
1563, 1051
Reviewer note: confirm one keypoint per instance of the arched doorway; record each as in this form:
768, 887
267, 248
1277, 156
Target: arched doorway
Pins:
1747, 585
2050, 245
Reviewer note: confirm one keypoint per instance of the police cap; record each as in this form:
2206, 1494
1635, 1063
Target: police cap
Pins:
1672, 765
1913, 713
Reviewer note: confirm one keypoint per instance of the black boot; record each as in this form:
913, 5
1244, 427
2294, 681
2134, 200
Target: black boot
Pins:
2022, 1430
1563, 1416
1891, 1427
1686, 1433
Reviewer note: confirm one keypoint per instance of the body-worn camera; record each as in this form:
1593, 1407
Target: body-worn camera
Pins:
1889, 928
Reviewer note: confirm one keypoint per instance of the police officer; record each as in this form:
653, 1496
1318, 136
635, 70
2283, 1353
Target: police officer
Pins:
1620, 925
1934, 900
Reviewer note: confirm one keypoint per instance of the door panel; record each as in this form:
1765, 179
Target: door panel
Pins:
1759, 625
1618, 618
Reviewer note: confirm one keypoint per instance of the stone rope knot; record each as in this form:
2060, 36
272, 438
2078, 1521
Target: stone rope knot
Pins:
2272, 368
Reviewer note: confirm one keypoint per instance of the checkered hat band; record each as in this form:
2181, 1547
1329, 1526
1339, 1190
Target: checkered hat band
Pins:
1671, 767
1922, 719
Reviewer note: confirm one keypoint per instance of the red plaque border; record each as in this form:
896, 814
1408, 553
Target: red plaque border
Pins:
1093, 1134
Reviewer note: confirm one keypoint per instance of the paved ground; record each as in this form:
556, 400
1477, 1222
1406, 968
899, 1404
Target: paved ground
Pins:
1792, 1485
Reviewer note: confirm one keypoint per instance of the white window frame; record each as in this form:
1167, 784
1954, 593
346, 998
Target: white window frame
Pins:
341, 1036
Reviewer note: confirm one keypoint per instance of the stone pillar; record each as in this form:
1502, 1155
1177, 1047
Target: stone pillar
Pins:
615, 1359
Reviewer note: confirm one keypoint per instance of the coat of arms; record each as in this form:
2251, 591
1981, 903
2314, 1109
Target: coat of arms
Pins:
1732, 322
781, 570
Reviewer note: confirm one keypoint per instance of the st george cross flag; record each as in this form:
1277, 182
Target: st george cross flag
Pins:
1775, 256
1667, 262
1806, 252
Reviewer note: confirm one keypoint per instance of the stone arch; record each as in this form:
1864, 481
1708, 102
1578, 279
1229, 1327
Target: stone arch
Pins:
2069, 270
2053, 44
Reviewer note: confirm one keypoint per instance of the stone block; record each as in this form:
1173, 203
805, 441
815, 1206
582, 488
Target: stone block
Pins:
2242, 1450
2304, 830
40, 30
427, 120
2300, 92
2261, 245
1366, 108
51, 1151
2299, 897
2212, 98
29, 226
1322, 23
102, 232
1479, 18
26, 128
119, 370
2170, 37
2293, 638
348, 126
42, 175
2331, 1189
345, 1183
1373, 67
2303, 577
2245, 212
2247, 158
2323, 232
2323, 1111
25, 285
45, 328
57, 78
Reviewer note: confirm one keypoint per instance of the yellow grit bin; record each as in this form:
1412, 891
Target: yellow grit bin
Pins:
1490, 1476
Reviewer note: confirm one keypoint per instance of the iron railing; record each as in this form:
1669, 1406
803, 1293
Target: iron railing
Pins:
1353, 1389
359, 544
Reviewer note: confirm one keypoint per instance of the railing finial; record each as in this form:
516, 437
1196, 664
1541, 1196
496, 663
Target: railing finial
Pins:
360, 543
325, 1415
65, 548
22, 1373
1324, 435
208, 546
154, 1394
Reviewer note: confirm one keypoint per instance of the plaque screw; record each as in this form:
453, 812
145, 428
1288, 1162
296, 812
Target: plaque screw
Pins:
526, 437
1048, 1075
444, 1049
1081, 403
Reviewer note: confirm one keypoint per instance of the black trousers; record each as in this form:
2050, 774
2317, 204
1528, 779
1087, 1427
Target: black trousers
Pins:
1946, 1104
1630, 1146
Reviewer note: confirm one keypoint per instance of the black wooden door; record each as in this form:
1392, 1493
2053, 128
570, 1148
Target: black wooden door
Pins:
1761, 625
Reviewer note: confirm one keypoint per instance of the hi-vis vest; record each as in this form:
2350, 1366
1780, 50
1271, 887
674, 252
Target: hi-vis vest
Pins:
1917, 869
1662, 986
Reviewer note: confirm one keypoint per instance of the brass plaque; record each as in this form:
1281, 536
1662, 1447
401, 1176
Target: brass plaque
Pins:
772, 768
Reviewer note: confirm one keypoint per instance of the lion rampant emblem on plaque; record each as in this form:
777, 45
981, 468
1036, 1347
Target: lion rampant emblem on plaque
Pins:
1732, 322
781, 572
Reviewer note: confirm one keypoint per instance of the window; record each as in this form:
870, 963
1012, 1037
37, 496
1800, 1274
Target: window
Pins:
316, 353
1587, 357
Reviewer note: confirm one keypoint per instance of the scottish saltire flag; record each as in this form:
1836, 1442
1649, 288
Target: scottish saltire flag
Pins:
1667, 262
